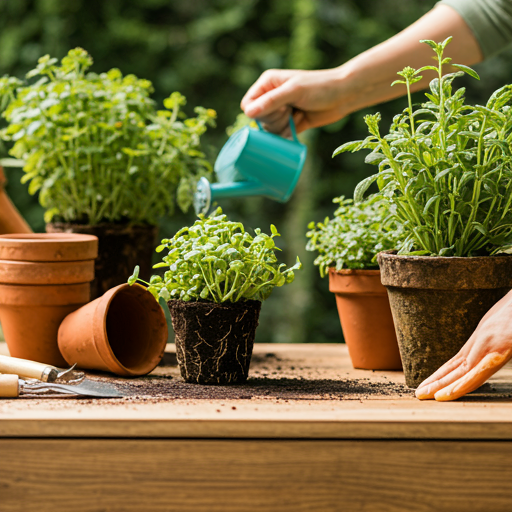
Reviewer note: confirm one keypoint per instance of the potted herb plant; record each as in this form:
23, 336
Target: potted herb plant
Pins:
347, 247
445, 167
101, 156
218, 275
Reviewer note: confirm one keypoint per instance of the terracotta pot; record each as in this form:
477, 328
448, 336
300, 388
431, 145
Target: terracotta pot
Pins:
31, 315
437, 303
123, 332
121, 248
214, 342
30, 272
366, 320
48, 247
43, 278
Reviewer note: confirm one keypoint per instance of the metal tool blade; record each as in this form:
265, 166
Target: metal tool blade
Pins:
86, 388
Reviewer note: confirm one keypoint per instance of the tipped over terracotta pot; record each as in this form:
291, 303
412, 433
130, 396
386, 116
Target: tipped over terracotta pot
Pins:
124, 332
43, 278
366, 319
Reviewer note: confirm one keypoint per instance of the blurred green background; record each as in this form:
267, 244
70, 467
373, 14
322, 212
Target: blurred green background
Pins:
212, 51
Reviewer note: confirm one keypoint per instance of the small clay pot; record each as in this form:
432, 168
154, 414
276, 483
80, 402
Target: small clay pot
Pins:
214, 342
437, 303
33, 272
123, 332
121, 248
31, 315
43, 278
53, 247
366, 320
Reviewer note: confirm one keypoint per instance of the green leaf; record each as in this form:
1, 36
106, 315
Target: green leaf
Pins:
348, 146
133, 278
363, 186
471, 72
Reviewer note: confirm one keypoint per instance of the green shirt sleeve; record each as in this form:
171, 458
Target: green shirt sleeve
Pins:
489, 20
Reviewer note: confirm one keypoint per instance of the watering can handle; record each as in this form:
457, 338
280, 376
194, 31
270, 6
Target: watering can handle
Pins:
292, 128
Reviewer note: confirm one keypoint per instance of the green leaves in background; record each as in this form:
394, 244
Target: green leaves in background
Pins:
355, 235
95, 147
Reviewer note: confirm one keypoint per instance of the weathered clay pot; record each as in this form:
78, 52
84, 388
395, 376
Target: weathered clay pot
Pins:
43, 278
31, 315
123, 332
214, 342
121, 248
34, 272
366, 320
53, 247
437, 303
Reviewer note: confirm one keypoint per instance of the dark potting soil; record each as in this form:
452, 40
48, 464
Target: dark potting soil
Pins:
120, 248
214, 342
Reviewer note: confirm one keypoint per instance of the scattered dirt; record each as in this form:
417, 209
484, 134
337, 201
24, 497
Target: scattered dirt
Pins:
270, 378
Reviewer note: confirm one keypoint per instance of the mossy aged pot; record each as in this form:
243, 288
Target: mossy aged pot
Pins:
214, 342
365, 317
437, 303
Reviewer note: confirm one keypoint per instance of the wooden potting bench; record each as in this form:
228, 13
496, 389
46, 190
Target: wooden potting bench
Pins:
307, 433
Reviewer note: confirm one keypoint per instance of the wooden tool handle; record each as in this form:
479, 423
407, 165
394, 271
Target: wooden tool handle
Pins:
24, 368
9, 386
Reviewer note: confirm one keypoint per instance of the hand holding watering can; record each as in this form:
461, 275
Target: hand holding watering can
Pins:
254, 163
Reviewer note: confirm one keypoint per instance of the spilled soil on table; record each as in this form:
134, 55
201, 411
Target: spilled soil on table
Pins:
270, 378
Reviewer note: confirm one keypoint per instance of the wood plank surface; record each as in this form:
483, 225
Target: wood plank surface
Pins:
234, 475
329, 399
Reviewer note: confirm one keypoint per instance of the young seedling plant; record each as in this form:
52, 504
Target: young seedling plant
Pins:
354, 236
216, 260
445, 166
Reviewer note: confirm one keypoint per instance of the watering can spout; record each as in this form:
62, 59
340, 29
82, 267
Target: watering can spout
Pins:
207, 193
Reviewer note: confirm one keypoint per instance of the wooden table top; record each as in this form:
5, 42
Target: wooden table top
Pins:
305, 391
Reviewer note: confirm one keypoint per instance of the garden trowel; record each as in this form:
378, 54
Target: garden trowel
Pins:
40, 371
12, 386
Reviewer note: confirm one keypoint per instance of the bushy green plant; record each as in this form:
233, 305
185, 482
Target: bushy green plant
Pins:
445, 166
354, 236
218, 261
95, 146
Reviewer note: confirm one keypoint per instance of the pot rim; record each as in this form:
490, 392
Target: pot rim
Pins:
445, 272
355, 271
41, 294
394, 254
46, 238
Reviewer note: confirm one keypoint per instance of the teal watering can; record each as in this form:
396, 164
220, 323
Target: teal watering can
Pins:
254, 163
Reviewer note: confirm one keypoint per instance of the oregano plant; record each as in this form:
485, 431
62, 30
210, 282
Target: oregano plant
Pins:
354, 236
95, 146
445, 166
217, 260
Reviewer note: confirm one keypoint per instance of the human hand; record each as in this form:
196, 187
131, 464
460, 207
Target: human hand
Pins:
488, 349
317, 97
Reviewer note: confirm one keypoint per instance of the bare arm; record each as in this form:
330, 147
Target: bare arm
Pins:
325, 96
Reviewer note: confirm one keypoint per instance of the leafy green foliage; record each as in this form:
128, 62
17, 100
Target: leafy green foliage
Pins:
217, 260
446, 166
95, 147
354, 236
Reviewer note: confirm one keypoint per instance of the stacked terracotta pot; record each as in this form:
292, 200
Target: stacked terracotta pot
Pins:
43, 278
